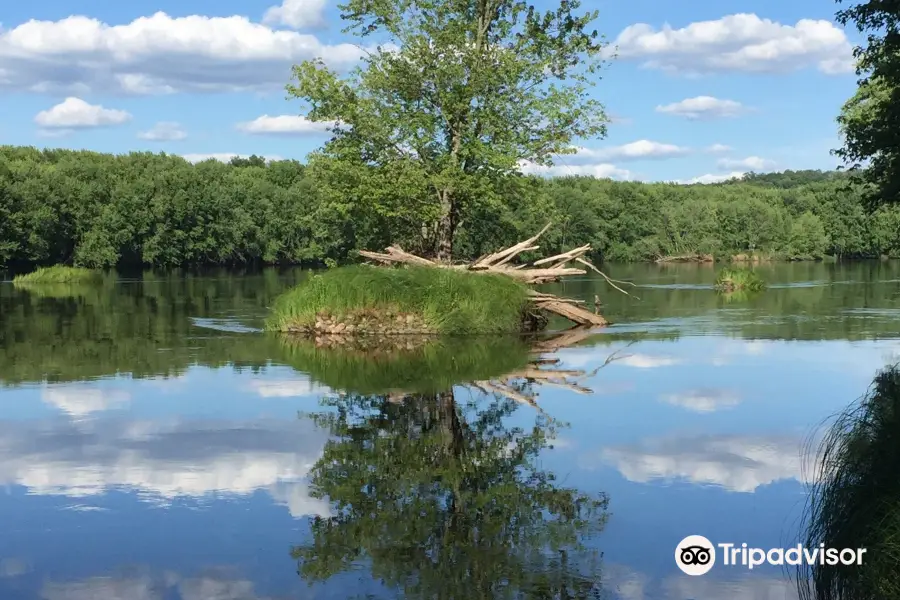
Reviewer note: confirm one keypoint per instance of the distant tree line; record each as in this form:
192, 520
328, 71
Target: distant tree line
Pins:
103, 210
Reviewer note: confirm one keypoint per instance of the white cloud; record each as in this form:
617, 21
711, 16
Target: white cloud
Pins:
223, 156
75, 113
740, 42
157, 54
718, 149
163, 461
598, 162
704, 400
164, 131
630, 584
286, 388
140, 583
712, 178
299, 14
641, 149
79, 401
13, 567
104, 588
748, 588
599, 170
736, 463
751, 163
647, 361
703, 107
285, 124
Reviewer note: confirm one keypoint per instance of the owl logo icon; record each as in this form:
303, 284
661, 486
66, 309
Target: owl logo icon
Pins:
695, 555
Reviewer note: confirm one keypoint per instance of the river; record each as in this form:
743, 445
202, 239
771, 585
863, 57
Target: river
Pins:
154, 444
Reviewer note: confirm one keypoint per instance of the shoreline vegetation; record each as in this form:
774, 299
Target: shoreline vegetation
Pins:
102, 210
854, 497
58, 275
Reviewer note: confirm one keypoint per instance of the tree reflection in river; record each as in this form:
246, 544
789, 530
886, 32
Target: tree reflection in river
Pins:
442, 498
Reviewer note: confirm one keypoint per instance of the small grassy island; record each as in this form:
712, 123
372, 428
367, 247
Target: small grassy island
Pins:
58, 274
364, 299
739, 280
411, 295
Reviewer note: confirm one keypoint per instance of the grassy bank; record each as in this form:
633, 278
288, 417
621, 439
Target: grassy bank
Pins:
442, 300
855, 501
430, 367
59, 274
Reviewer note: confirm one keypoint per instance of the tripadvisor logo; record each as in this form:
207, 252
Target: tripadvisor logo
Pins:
696, 555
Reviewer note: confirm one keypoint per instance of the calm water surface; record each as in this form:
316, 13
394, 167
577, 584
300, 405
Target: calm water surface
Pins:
155, 445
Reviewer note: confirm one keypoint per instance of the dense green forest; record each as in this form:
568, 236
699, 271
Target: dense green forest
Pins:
101, 210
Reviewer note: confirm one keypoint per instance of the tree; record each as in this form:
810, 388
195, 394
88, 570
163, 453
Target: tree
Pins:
460, 93
808, 238
445, 500
870, 120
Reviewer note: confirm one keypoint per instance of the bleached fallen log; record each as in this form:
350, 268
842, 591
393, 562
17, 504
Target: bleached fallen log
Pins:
537, 275
490, 259
575, 314
564, 257
396, 254
543, 296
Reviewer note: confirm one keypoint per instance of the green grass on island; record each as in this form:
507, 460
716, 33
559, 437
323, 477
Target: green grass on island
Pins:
739, 280
446, 300
59, 274
435, 365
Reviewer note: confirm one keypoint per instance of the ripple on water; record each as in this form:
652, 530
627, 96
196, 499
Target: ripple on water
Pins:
229, 325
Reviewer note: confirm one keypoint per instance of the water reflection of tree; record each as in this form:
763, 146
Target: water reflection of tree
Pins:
445, 500
855, 500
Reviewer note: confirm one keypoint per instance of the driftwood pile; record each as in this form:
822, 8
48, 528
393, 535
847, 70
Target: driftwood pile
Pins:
545, 270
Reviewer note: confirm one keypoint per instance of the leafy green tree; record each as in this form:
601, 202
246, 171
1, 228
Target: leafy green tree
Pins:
444, 500
808, 239
440, 115
870, 120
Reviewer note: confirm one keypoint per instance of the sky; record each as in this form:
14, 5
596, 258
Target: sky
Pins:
699, 91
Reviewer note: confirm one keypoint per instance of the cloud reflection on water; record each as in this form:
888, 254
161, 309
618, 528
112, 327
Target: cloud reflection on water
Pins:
739, 463
628, 584
704, 400
146, 586
164, 460
79, 401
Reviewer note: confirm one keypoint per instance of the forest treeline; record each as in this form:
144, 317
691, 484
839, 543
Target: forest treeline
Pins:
101, 210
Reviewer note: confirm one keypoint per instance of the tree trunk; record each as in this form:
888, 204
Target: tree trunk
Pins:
451, 427
445, 228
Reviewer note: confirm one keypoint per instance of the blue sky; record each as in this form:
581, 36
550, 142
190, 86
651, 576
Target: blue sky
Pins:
700, 91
